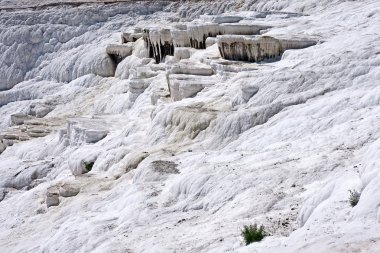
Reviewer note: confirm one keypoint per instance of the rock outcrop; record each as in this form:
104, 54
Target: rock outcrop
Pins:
119, 52
219, 19
198, 33
68, 190
25, 128
52, 196
130, 36
257, 48
185, 86
180, 36
84, 130
187, 78
64, 189
159, 43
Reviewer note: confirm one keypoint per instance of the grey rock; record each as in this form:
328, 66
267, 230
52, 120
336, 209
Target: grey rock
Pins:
69, 190
52, 196
166, 167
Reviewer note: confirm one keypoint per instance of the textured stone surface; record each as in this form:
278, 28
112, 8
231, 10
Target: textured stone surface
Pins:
185, 86
257, 48
52, 196
68, 189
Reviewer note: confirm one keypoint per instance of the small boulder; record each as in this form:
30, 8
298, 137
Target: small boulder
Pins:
52, 196
68, 190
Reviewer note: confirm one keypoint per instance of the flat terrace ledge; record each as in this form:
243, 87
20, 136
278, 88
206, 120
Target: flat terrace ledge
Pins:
118, 52
258, 48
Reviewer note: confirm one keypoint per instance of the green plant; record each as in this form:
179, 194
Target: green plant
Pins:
354, 197
252, 233
89, 166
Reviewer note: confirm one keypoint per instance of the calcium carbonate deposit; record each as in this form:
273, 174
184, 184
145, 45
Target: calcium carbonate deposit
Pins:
167, 126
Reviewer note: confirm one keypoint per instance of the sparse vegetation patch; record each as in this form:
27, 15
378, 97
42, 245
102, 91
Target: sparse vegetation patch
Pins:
89, 166
354, 197
253, 233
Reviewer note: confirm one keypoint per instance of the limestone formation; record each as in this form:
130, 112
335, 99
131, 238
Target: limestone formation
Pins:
39, 110
181, 53
130, 37
138, 86
52, 196
119, 52
19, 118
185, 86
295, 43
135, 159
165, 167
190, 68
257, 48
224, 67
241, 29
68, 189
142, 72
211, 41
248, 48
26, 127
159, 43
198, 33
84, 130
187, 78
180, 36
219, 19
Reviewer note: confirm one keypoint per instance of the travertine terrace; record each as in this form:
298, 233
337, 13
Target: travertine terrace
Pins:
168, 126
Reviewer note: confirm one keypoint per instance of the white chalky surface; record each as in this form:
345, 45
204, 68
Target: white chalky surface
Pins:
277, 143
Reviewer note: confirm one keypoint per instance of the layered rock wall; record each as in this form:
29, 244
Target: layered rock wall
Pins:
257, 48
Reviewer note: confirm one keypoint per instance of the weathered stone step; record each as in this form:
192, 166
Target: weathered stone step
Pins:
191, 68
185, 86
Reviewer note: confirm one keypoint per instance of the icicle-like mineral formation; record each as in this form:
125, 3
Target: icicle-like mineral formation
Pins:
180, 35
119, 52
199, 33
241, 29
257, 48
159, 43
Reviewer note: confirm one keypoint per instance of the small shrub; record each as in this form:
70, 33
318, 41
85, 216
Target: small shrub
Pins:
89, 166
354, 197
252, 233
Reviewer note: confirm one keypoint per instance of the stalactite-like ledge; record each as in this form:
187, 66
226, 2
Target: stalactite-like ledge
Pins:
198, 33
159, 43
130, 37
119, 52
257, 48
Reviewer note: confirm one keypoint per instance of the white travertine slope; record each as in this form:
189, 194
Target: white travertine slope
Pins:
124, 168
